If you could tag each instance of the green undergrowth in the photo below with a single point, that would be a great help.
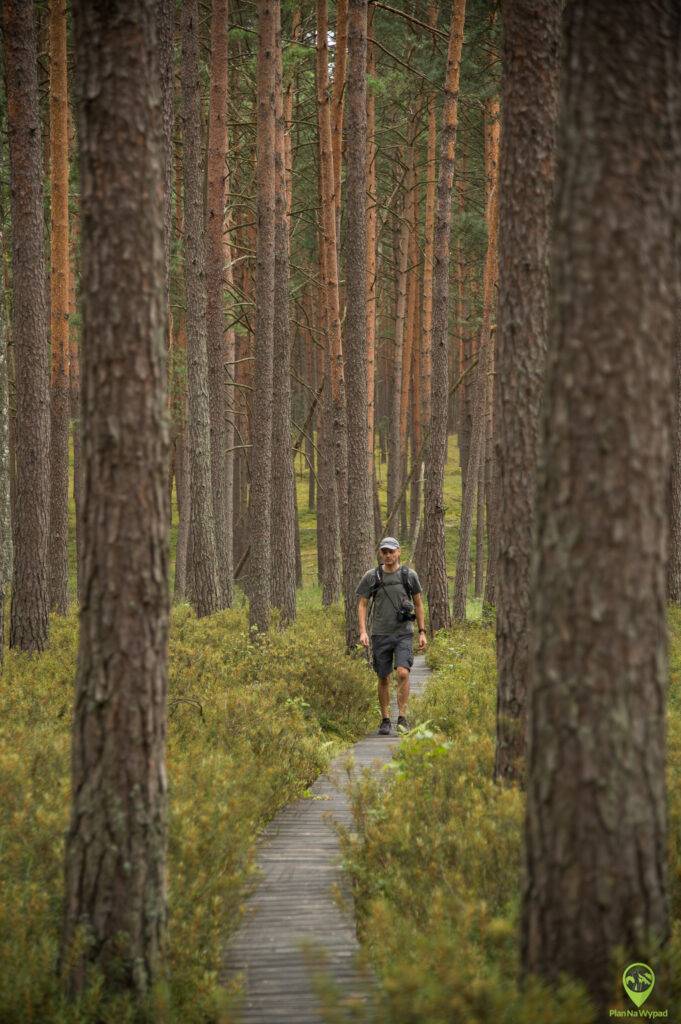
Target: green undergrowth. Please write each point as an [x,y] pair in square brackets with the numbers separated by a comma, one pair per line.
[435,859]
[250,727]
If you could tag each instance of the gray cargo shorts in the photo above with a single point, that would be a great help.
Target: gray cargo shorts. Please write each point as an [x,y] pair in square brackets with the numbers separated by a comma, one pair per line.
[391,646]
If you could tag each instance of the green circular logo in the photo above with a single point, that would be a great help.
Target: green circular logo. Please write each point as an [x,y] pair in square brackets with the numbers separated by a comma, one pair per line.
[638,981]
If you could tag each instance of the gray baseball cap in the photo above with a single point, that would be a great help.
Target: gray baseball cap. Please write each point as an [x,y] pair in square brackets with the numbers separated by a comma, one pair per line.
[390,543]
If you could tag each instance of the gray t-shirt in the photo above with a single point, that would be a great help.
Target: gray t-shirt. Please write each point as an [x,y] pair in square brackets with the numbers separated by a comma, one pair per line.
[387,600]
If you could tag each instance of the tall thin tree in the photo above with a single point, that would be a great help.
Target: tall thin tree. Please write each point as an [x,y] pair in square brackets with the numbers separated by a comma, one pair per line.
[530,111]
[5,518]
[596,804]
[115,846]
[59,312]
[215,281]
[30,582]
[204,585]
[283,529]
[434,518]
[360,552]
[261,460]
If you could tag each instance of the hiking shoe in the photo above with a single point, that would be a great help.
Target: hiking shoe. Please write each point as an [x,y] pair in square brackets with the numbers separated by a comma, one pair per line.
[384,727]
[402,723]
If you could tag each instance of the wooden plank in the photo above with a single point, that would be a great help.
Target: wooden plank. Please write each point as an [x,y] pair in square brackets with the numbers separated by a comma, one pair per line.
[293,907]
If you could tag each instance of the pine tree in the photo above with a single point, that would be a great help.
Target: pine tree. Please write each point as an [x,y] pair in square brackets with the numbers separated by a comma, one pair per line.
[116,841]
[434,520]
[261,461]
[530,91]
[30,581]
[204,586]
[596,804]
[59,312]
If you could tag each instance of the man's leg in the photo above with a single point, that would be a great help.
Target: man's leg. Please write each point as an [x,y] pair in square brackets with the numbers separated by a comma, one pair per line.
[384,695]
[383,664]
[402,690]
[404,658]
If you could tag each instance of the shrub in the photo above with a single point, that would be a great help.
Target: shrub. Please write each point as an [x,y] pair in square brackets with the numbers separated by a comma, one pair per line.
[435,858]
[250,727]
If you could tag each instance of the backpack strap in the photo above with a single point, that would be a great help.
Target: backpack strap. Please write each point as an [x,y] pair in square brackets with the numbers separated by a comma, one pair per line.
[406,582]
[377,582]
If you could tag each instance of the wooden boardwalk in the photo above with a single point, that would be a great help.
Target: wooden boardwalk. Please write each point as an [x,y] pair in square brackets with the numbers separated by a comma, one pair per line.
[293,908]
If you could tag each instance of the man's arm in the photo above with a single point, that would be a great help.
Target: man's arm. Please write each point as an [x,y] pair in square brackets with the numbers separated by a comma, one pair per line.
[420,610]
[362,616]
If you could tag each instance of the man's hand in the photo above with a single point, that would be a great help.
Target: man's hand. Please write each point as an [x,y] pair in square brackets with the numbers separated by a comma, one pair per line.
[364,638]
[422,641]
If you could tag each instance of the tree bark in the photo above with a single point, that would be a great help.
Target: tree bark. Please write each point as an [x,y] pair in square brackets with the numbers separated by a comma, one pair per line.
[203,581]
[400,369]
[329,265]
[261,458]
[5,516]
[116,843]
[372,236]
[595,828]
[429,243]
[360,553]
[530,84]
[284,517]
[30,582]
[434,520]
[489,459]
[674,496]
[215,286]
[339,83]
[59,313]
[485,364]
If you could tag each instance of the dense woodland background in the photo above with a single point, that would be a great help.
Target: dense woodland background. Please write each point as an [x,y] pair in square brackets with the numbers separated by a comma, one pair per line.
[279,279]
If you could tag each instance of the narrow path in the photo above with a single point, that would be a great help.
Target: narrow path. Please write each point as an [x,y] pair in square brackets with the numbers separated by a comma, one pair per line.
[294,904]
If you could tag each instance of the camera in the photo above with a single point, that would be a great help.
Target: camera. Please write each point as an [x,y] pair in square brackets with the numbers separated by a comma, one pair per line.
[406,613]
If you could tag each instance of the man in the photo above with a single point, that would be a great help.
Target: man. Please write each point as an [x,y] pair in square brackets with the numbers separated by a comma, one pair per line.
[391,635]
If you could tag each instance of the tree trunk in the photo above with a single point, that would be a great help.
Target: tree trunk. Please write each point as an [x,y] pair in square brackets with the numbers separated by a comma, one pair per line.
[429,244]
[480,485]
[479,412]
[410,339]
[596,883]
[74,408]
[360,554]
[674,497]
[330,275]
[59,313]
[400,369]
[116,843]
[215,286]
[284,518]
[372,235]
[203,582]
[490,464]
[30,582]
[339,83]
[434,521]
[5,517]
[261,459]
[530,98]
[328,527]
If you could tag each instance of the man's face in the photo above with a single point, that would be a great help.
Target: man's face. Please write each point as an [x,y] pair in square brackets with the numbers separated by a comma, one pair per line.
[390,558]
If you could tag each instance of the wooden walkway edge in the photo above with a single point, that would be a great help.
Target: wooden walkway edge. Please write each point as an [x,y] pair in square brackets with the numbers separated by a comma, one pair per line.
[293,925]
